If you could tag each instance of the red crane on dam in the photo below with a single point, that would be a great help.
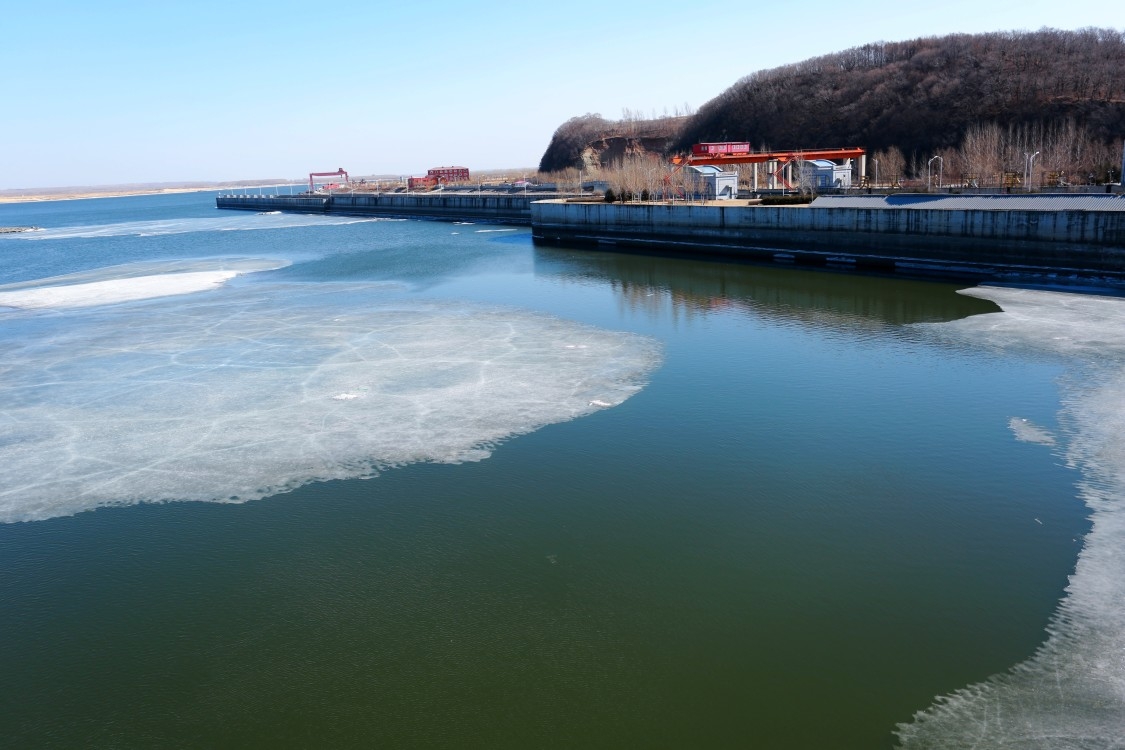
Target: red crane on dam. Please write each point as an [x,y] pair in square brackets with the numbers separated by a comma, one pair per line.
[742,153]
[338,172]
[718,154]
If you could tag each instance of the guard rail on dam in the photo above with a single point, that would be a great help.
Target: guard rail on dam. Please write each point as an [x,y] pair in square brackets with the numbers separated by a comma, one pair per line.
[964,242]
[508,209]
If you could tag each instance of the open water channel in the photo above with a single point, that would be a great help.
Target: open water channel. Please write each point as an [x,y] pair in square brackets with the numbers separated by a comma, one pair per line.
[305,481]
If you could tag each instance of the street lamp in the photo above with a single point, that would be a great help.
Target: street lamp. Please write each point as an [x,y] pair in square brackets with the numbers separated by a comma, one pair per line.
[1030,159]
[876,173]
[941,165]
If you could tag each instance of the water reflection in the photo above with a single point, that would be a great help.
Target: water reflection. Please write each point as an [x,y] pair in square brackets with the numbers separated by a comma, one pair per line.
[649,284]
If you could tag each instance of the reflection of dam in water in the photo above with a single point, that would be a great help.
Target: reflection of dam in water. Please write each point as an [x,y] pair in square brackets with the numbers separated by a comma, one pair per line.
[797,294]
[1068,692]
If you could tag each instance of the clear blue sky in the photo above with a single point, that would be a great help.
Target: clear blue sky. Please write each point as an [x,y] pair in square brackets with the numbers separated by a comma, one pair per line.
[100,93]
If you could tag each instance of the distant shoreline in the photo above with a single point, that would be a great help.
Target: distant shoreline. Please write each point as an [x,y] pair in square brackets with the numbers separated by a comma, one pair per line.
[84,193]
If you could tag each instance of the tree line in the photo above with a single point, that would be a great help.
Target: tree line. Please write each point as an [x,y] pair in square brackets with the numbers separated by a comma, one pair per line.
[1030,155]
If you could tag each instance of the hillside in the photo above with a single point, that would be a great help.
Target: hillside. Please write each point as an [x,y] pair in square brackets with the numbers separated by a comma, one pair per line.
[919,97]
[925,94]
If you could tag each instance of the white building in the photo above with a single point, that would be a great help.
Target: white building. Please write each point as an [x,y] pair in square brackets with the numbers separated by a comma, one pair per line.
[712,182]
[828,174]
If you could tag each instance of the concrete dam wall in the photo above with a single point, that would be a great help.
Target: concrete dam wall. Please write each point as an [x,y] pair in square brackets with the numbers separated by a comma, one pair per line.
[511,209]
[1029,236]
[982,243]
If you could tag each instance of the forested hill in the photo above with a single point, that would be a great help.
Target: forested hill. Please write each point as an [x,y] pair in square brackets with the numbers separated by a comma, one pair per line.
[924,94]
[919,97]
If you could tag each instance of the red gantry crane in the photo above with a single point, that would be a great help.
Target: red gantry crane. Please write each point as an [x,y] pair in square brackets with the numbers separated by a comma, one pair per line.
[340,171]
[740,153]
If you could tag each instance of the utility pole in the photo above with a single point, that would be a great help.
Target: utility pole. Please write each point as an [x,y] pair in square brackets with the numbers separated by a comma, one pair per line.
[941,164]
[1030,159]
[1121,174]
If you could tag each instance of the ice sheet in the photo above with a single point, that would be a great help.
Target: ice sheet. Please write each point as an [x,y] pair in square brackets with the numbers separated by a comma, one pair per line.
[128,283]
[117,290]
[259,388]
[228,221]
[1071,693]
[1029,432]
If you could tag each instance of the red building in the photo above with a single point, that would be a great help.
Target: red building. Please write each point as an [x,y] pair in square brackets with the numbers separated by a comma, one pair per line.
[449,174]
[420,183]
[438,176]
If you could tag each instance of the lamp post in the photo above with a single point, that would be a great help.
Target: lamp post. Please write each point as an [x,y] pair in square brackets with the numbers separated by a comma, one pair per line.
[941,164]
[1030,159]
[876,173]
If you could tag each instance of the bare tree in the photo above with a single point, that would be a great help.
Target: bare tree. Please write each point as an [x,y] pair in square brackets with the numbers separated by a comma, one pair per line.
[891,166]
[979,157]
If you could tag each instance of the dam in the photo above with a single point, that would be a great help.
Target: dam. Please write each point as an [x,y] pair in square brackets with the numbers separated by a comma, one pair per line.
[986,237]
[503,208]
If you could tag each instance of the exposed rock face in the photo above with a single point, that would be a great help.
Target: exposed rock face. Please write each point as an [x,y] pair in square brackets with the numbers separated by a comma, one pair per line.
[614,149]
[590,142]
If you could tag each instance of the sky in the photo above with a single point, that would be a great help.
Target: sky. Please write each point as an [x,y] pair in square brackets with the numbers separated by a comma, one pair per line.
[114,92]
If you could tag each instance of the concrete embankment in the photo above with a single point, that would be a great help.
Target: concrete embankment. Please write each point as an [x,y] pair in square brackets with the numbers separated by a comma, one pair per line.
[952,242]
[508,209]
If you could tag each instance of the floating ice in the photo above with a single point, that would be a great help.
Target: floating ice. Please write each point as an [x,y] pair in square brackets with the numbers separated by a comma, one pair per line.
[262,387]
[1029,432]
[116,290]
[128,283]
[231,221]
[1071,693]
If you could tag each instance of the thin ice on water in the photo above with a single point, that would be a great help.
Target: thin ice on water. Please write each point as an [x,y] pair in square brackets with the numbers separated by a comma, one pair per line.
[253,390]
[1071,693]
